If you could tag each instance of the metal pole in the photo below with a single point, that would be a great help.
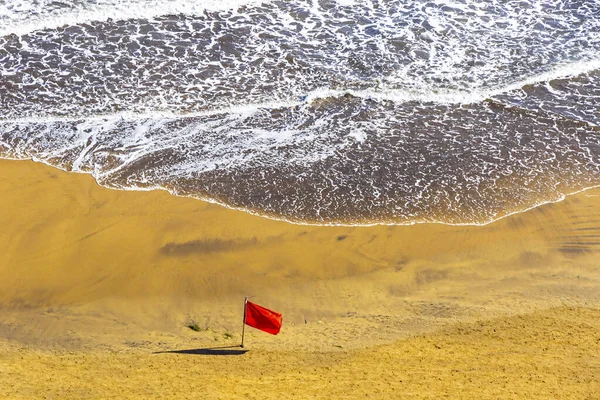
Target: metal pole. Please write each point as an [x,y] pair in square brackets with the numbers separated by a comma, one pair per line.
[244,321]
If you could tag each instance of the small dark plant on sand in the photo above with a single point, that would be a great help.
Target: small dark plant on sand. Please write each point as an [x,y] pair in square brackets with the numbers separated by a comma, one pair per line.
[192,324]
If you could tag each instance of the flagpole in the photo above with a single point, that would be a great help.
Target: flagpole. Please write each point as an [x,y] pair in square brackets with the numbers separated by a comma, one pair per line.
[244,321]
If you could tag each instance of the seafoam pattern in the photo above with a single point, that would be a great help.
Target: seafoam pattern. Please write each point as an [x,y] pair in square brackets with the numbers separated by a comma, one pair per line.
[318,112]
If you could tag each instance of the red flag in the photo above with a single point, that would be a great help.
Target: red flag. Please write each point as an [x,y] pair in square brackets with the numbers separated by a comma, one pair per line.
[262,318]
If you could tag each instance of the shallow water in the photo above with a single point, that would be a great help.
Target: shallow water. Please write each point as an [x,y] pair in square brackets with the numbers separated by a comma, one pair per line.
[317,112]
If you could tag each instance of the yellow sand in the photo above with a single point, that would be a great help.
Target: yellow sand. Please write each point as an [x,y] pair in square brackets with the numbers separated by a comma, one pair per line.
[552,354]
[94,281]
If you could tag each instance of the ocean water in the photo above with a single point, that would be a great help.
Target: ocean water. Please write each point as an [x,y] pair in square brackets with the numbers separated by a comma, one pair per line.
[319,112]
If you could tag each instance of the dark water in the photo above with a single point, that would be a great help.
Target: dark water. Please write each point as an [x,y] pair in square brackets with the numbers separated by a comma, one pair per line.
[317,112]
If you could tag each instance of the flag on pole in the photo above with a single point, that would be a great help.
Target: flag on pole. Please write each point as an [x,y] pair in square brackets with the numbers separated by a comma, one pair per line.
[262,318]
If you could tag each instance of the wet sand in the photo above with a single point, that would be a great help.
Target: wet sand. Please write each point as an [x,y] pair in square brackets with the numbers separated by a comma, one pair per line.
[95,281]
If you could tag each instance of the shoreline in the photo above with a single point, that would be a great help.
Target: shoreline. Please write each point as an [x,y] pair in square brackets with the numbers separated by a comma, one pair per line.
[561,198]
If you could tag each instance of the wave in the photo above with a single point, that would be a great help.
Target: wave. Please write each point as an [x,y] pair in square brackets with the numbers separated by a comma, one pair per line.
[562,72]
[340,112]
[347,160]
[24,17]
[286,51]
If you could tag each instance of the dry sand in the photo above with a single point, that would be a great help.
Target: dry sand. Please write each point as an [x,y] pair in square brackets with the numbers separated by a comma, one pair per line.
[95,281]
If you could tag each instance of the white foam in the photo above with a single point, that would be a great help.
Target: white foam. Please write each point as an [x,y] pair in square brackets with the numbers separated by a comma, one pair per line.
[240,110]
[347,3]
[442,59]
[563,71]
[23,17]
[396,95]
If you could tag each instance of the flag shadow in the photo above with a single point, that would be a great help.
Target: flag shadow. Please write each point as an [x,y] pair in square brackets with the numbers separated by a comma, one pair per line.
[210,351]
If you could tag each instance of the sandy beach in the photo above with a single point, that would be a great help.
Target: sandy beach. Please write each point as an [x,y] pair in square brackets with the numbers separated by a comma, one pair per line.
[98,285]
